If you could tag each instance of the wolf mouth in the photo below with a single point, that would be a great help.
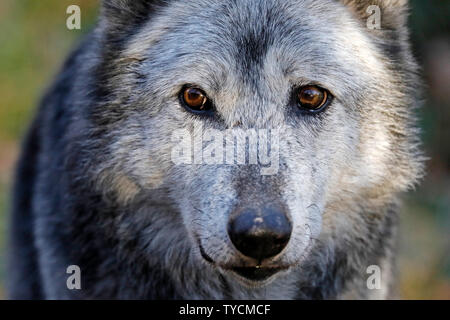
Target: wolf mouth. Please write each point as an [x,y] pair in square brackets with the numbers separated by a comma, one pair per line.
[256,273]
[250,273]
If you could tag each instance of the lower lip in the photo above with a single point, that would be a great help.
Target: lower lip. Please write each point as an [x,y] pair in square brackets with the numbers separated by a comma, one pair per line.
[256,274]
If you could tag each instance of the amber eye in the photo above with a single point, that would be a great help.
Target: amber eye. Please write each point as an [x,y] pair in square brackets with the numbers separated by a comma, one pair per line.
[195,100]
[312,98]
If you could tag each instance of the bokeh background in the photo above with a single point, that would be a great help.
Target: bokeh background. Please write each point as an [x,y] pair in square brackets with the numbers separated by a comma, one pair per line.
[34,41]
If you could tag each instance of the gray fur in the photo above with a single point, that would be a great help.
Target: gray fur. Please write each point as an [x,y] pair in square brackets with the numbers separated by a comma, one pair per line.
[106,196]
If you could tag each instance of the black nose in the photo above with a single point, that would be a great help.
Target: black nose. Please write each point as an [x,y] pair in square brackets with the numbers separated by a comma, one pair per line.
[260,234]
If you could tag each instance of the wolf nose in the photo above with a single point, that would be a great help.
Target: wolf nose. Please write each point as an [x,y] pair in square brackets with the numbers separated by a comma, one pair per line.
[259,234]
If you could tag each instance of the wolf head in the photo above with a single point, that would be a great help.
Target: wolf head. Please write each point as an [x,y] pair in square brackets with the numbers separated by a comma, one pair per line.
[254,138]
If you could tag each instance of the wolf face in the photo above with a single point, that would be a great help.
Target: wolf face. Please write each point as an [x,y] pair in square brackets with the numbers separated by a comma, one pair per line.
[338,167]
[246,149]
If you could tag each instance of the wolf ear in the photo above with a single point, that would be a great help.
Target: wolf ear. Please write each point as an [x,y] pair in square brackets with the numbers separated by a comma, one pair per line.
[126,13]
[392,14]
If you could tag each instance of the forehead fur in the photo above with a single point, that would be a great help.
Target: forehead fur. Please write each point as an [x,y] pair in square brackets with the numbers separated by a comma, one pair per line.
[302,40]
[252,52]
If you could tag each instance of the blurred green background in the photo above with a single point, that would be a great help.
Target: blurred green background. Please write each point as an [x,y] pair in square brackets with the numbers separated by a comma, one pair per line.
[34,41]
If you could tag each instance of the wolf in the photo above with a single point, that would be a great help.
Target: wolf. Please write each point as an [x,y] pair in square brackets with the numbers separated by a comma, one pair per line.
[98,186]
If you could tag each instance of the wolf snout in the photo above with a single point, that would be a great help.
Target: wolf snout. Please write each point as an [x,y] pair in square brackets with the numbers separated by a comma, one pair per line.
[260,233]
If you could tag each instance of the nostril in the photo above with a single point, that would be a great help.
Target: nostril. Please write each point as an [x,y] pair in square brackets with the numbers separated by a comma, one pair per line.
[260,234]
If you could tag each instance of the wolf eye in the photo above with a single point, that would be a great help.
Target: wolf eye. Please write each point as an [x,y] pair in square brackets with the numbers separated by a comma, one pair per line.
[313,98]
[195,100]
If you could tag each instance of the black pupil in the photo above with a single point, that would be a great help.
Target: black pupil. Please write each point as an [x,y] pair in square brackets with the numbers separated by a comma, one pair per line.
[312,97]
[195,98]
[310,94]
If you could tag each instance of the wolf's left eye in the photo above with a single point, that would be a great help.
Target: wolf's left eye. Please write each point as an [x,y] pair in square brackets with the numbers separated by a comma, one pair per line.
[313,98]
[195,100]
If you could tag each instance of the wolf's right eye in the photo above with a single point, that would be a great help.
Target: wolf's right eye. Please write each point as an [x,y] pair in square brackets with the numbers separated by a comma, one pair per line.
[313,99]
[195,100]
